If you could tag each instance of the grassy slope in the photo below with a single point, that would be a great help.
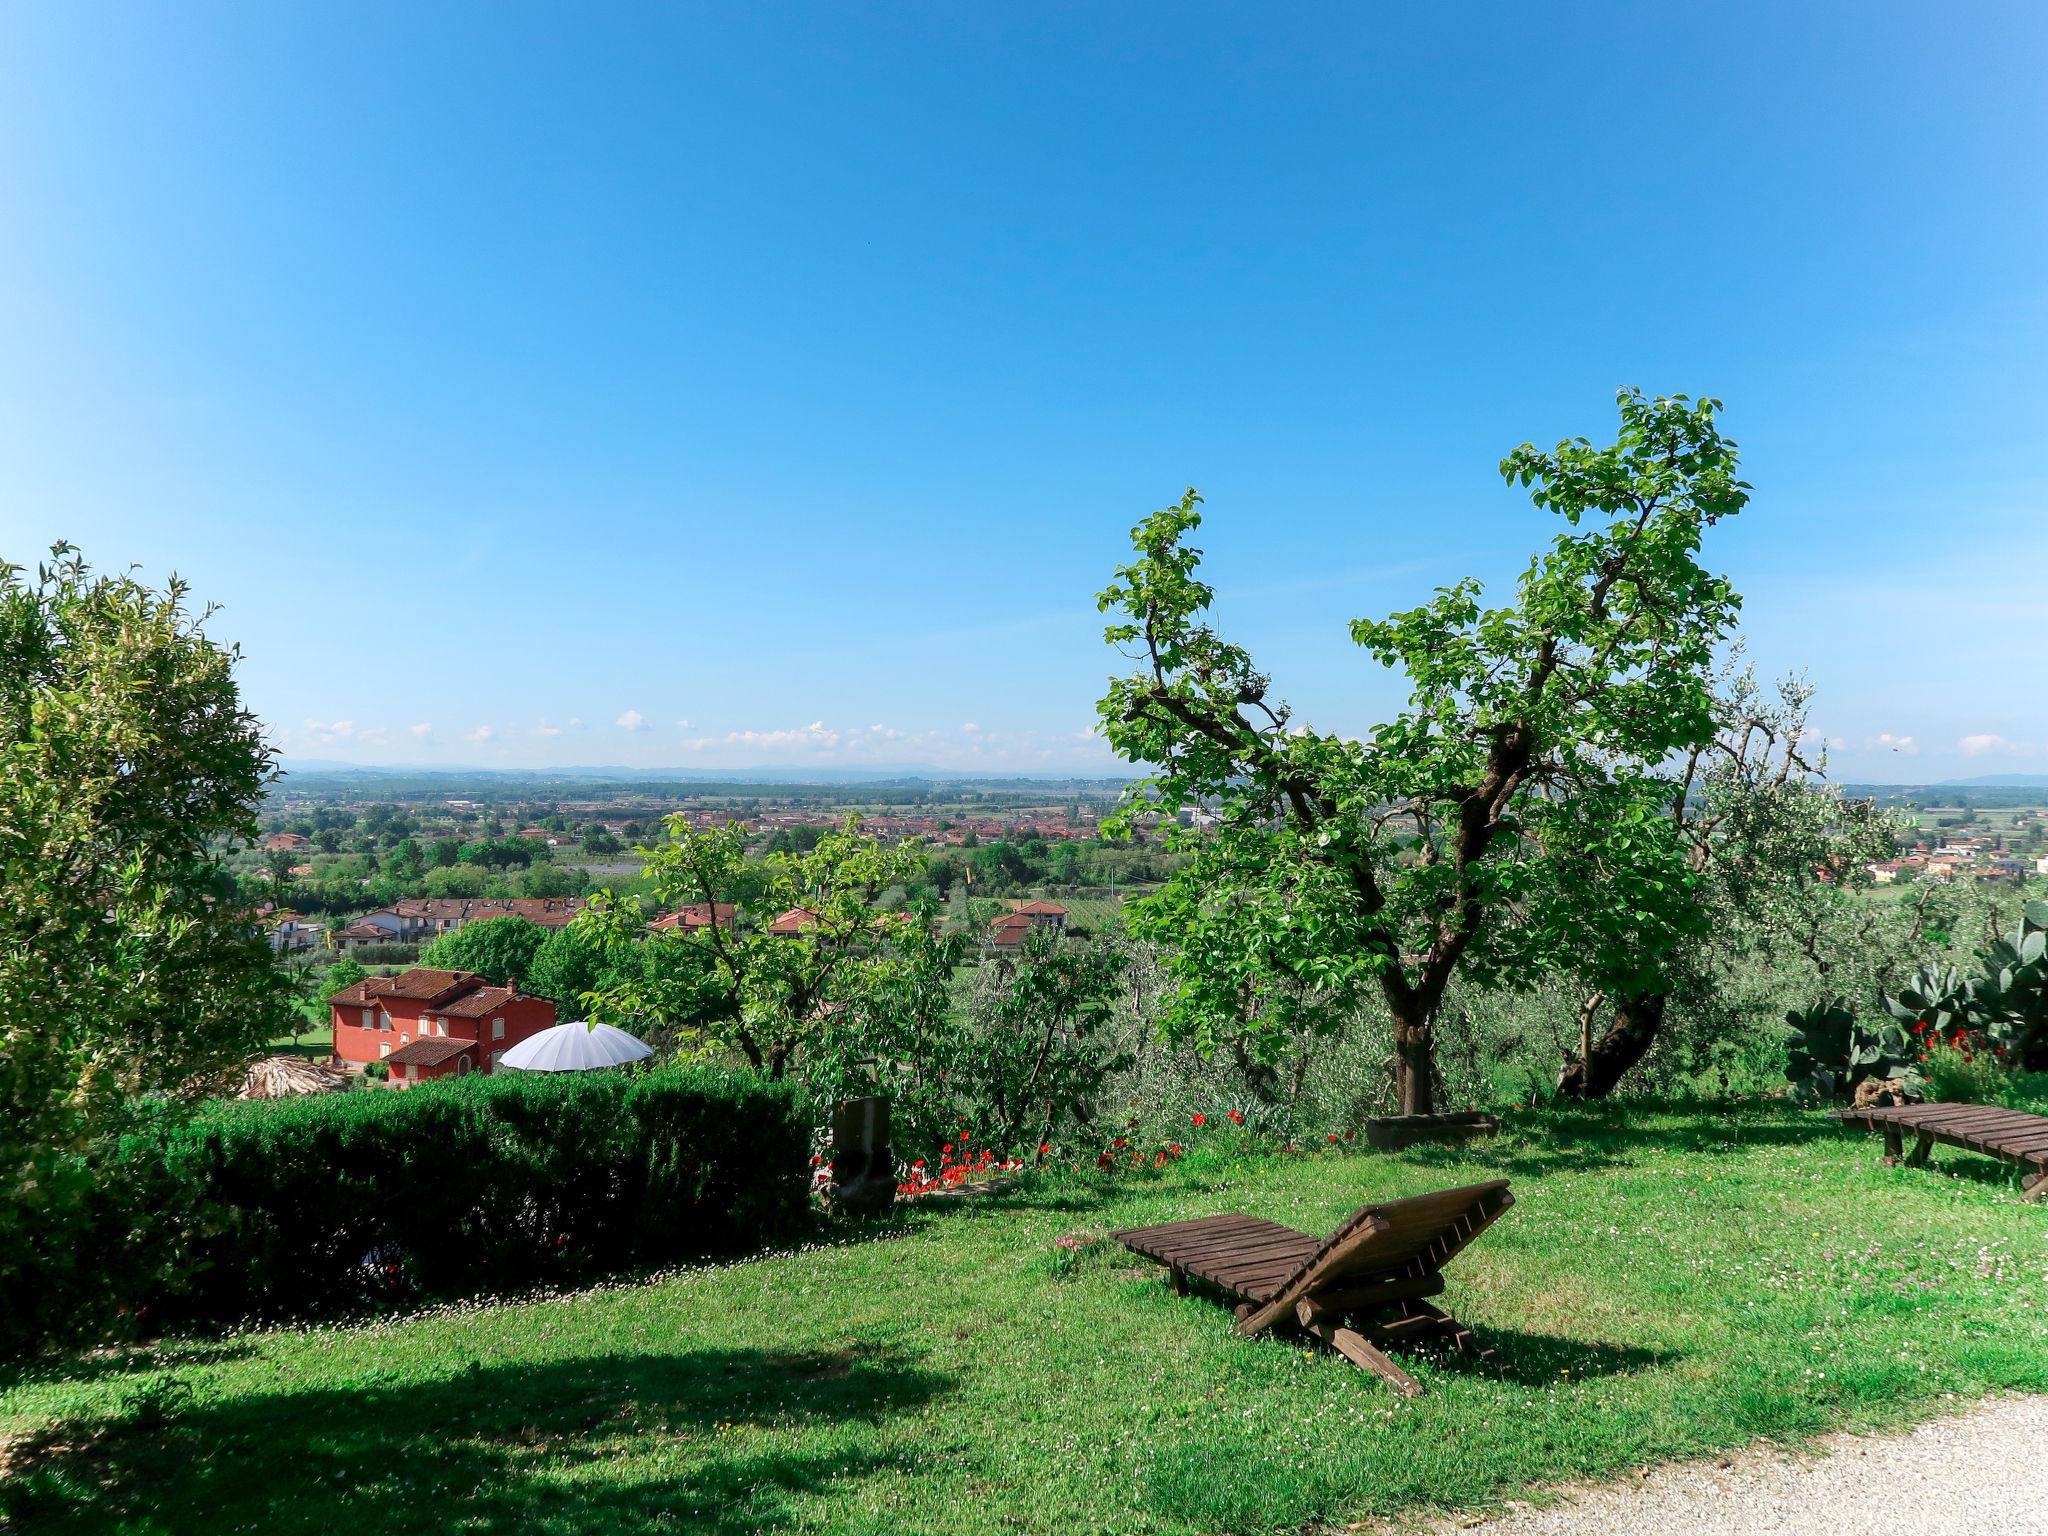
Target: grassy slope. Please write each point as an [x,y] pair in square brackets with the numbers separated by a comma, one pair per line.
[1669,1286]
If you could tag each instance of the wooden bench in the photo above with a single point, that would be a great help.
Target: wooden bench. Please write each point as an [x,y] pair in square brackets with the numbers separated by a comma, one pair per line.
[2010,1134]
[1362,1290]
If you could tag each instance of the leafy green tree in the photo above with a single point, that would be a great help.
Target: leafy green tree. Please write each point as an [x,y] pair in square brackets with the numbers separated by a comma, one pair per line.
[500,949]
[447,853]
[1456,839]
[543,880]
[129,971]
[765,994]
[344,973]
[569,963]
[406,864]
[457,881]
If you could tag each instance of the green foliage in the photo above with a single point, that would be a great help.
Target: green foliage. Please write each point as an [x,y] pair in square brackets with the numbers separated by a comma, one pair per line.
[129,971]
[1039,1041]
[499,949]
[569,963]
[342,974]
[1671,1286]
[1514,818]
[740,985]
[1831,1051]
[2002,1008]
[372,1198]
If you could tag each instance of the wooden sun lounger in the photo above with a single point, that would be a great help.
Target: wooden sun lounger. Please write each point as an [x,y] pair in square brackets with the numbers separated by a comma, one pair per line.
[1374,1271]
[2010,1134]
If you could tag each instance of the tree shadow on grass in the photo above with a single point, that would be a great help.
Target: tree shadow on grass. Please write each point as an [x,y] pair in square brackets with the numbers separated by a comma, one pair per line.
[1587,1142]
[505,1447]
[105,1364]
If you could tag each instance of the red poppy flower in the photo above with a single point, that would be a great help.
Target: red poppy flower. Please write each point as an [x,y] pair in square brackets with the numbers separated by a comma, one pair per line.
[1331,1137]
[1236,1118]
[1201,1119]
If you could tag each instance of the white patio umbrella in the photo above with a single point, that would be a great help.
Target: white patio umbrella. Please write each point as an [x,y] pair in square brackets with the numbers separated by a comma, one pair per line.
[575,1048]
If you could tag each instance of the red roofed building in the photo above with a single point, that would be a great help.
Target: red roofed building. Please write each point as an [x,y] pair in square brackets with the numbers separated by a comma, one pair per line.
[459,1023]
[1007,932]
[1048,913]
[794,923]
[698,915]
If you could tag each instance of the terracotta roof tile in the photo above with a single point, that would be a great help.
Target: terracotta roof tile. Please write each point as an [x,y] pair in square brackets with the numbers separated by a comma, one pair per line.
[429,1053]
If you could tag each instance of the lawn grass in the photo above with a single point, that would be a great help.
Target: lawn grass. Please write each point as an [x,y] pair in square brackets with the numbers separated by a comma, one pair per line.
[1669,1283]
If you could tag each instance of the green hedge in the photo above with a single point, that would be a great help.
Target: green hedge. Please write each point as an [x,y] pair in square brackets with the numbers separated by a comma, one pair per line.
[343,1202]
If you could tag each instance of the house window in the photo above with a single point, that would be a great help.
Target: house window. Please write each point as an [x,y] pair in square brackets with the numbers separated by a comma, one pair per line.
[383,1019]
[494,1059]
[412,1073]
[462,1066]
[497,1029]
[368,1021]
[384,1050]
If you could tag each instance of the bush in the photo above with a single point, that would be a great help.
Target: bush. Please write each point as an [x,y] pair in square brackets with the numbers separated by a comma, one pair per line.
[342,1202]
[385,954]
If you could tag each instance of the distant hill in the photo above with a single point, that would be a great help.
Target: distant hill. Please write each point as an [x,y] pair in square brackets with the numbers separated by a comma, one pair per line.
[911,773]
[1998,780]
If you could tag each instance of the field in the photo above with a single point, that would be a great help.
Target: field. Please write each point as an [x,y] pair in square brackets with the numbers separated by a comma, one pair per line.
[1671,1282]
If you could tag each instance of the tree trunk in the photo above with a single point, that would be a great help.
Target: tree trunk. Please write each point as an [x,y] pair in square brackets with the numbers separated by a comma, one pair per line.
[1637,1021]
[1415,1065]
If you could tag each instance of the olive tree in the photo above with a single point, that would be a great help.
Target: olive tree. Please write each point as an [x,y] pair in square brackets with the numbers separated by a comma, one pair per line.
[1460,836]
[1774,854]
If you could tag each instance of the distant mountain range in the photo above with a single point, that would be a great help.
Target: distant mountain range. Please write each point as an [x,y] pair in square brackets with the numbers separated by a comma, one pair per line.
[1997,780]
[891,773]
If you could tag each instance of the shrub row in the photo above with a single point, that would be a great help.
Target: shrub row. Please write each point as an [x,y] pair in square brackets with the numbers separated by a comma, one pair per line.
[346,1202]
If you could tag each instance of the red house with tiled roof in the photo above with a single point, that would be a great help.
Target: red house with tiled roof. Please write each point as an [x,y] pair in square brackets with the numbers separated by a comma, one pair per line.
[428,1023]
[1008,931]
[794,923]
[1050,913]
[696,916]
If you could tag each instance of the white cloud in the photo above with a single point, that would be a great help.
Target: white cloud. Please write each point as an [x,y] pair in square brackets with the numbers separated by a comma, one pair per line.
[544,729]
[1977,746]
[422,730]
[576,723]
[482,733]
[327,733]
[1885,741]
[631,720]
[970,728]
[682,725]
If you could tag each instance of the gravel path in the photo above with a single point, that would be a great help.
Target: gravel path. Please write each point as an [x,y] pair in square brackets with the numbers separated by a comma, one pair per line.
[1983,1473]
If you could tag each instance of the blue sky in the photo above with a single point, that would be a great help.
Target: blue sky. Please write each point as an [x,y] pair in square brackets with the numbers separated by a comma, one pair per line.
[529,381]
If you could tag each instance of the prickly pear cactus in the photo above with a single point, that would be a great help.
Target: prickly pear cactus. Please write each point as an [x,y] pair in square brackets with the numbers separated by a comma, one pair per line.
[1830,1051]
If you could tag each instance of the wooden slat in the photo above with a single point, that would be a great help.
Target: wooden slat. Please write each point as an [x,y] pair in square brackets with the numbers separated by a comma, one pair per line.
[2009,1134]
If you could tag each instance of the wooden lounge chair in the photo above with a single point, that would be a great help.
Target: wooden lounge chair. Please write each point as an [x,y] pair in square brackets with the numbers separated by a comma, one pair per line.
[2010,1134]
[1374,1271]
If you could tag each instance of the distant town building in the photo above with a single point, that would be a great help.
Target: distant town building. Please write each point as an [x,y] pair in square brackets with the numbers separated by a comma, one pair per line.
[794,924]
[284,842]
[429,917]
[698,915]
